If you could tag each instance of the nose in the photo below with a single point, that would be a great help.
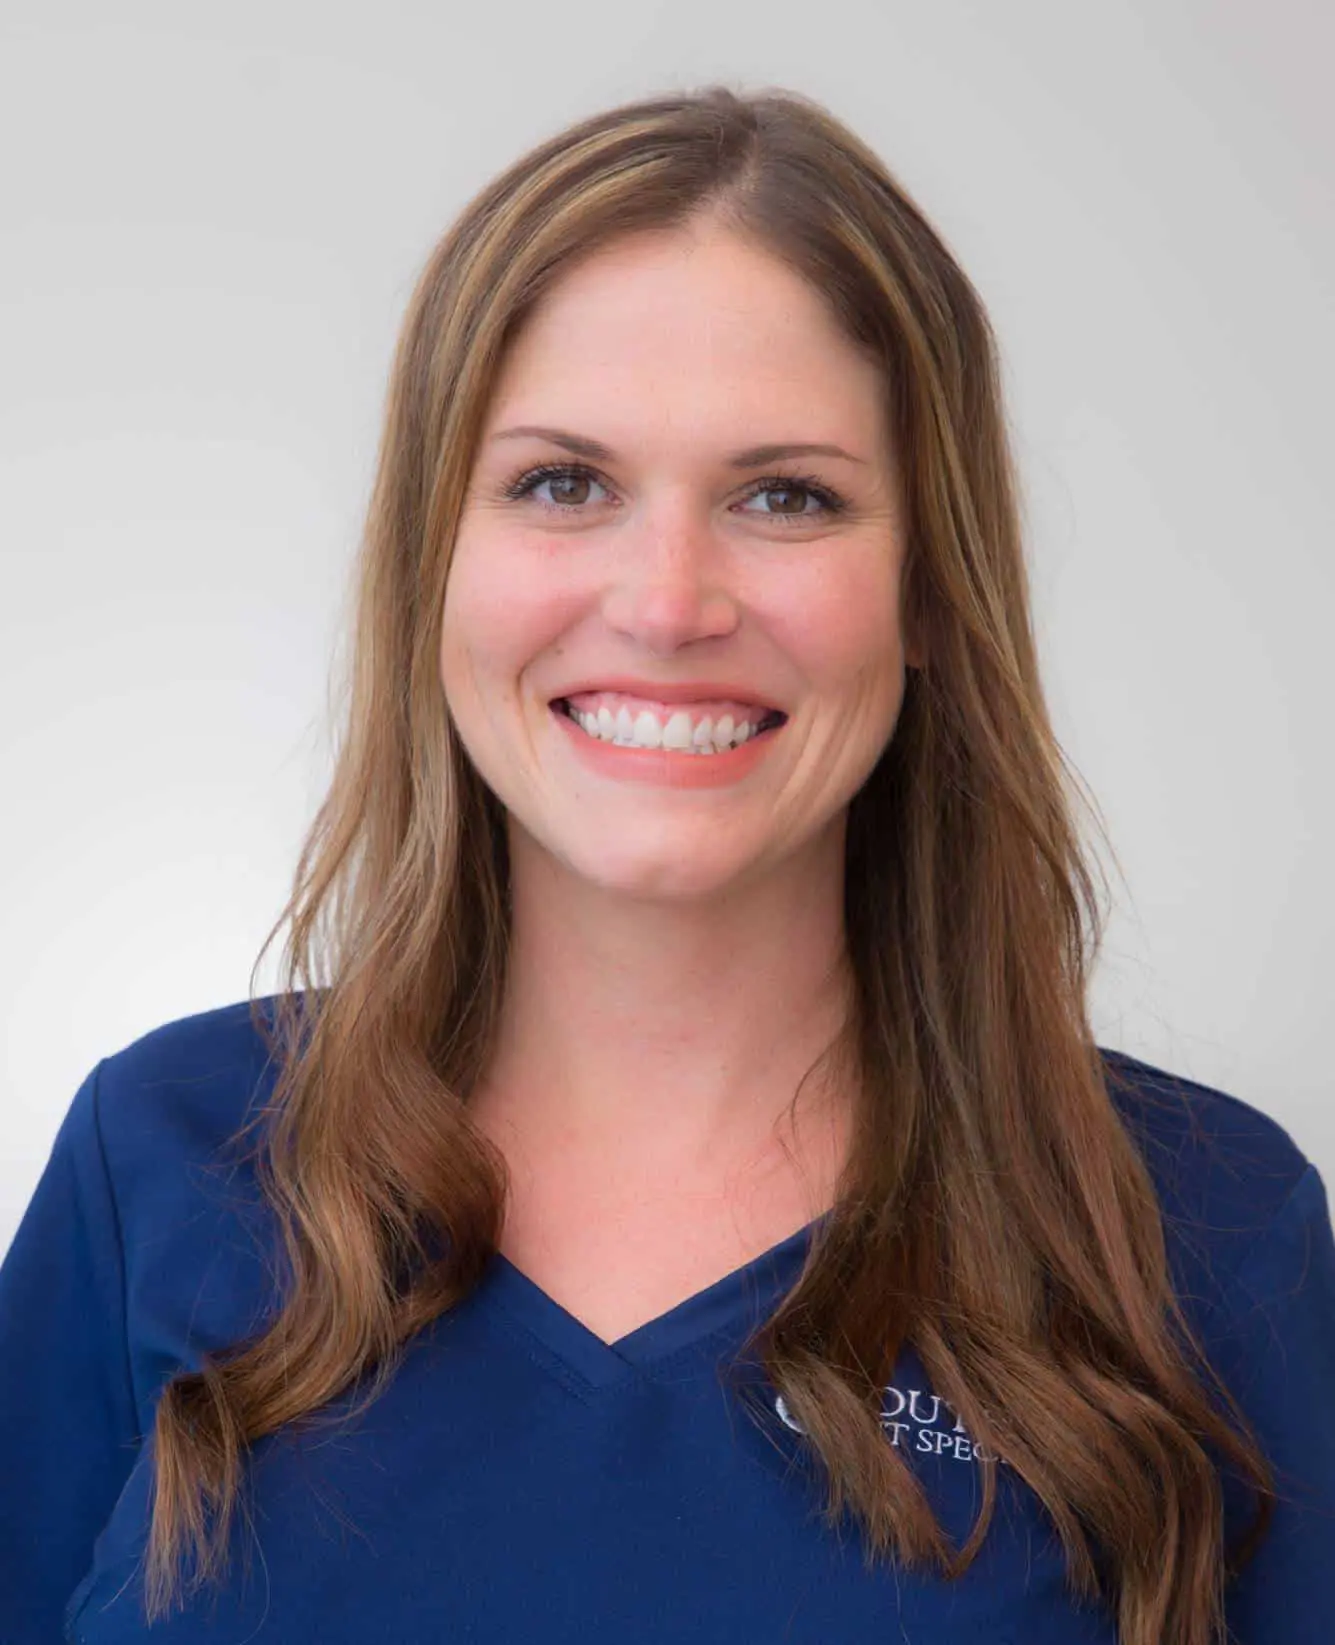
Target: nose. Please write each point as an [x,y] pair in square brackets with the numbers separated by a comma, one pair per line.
[669,585]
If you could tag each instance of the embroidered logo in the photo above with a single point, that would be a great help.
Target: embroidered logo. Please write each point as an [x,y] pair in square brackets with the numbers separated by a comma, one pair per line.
[915,1421]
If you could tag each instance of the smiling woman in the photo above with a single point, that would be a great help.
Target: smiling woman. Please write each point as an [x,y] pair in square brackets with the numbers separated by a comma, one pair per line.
[656,577]
[686,1020]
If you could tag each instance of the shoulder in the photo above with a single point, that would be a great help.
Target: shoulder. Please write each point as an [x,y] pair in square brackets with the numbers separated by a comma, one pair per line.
[1230,1179]
[169,1116]
[178,1094]
[1248,1231]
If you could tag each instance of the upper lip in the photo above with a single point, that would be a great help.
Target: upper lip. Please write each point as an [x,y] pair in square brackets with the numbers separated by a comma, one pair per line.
[679,691]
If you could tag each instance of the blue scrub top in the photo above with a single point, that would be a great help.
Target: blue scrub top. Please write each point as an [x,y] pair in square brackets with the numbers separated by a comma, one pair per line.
[522,1480]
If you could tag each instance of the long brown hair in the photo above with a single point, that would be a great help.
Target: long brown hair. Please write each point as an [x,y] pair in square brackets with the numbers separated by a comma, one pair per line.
[994,1212]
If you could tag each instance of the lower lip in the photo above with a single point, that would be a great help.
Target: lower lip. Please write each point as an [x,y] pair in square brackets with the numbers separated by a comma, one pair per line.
[667,767]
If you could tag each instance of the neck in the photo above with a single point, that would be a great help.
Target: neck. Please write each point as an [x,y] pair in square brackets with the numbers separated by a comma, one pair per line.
[662,1037]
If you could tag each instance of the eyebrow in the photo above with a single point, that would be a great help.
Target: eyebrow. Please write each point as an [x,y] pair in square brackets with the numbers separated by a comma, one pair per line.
[753,457]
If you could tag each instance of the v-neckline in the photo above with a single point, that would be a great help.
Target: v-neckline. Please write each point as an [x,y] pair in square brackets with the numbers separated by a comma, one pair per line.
[733,1304]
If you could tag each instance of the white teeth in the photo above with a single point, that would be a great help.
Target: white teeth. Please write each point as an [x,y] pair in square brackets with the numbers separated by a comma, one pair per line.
[677,732]
[644,731]
[648,732]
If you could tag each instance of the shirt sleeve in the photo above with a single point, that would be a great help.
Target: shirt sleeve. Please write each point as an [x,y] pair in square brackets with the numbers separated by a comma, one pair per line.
[1277,1357]
[68,1424]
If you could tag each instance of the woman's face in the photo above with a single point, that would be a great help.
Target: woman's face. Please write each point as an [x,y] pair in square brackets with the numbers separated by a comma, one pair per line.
[655,580]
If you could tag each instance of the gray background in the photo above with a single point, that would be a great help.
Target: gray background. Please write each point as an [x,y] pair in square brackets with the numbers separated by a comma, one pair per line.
[212,219]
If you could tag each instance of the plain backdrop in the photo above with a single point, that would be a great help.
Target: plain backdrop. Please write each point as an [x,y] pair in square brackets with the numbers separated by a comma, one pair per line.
[210,222]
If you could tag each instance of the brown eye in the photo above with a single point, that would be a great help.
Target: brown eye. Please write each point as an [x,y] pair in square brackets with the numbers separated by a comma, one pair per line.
[569,492]
[569,483]
[790,492]
[797,493]
[563,485]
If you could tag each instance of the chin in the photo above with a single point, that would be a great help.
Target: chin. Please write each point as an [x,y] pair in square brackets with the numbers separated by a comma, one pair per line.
[667,875]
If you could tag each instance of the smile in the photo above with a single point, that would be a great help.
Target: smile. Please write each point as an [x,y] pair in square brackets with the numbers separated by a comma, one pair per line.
[673,748]
[609,717]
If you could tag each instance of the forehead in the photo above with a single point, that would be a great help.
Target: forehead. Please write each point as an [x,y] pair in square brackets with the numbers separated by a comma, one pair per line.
[692,324]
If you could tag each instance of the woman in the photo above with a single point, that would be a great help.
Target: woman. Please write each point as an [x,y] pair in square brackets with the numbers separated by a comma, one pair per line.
[678,1196]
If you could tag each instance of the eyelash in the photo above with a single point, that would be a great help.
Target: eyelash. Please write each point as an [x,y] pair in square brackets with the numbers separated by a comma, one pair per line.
[831,502]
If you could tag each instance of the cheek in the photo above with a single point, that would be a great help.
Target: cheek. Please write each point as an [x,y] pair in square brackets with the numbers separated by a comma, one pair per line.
[844,627]
[496,620]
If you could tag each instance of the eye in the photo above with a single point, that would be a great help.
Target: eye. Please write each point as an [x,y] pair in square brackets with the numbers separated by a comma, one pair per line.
[565,477]
[828,502]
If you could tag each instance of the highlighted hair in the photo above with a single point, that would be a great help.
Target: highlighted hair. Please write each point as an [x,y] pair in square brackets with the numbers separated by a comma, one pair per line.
[994,1212]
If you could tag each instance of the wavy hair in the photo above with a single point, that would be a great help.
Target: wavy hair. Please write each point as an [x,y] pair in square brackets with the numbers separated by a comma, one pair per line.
[994,1212]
